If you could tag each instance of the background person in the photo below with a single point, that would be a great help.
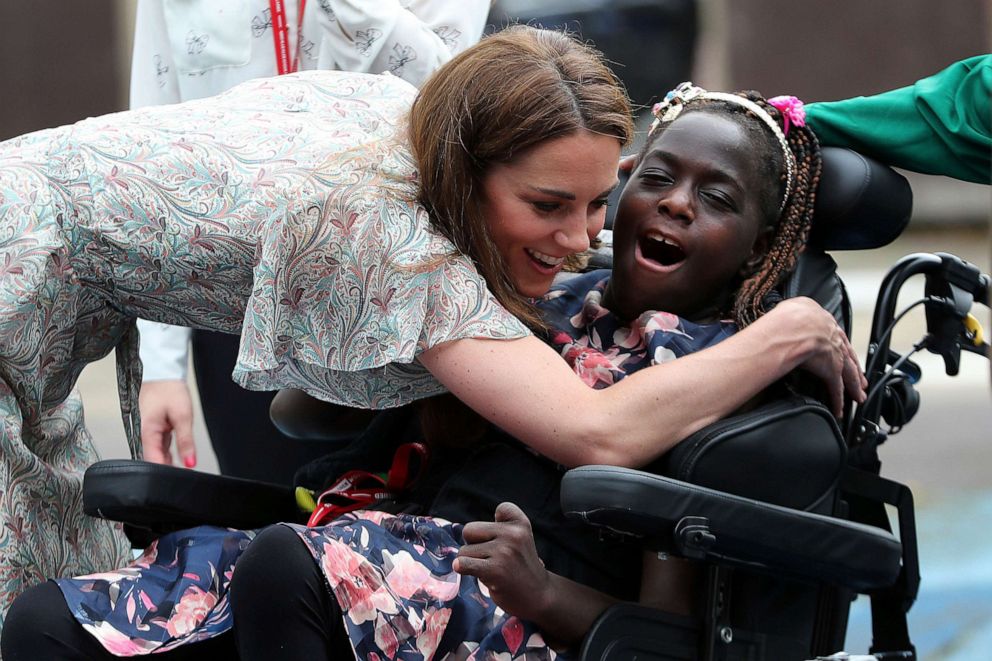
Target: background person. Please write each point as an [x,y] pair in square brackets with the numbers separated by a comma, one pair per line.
[941,124]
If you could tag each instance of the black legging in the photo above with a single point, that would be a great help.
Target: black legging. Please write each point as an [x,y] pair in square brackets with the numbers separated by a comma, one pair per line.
[242,435]
[280,600]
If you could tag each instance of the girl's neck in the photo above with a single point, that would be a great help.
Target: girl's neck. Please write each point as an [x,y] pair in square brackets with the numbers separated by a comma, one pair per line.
[708,315]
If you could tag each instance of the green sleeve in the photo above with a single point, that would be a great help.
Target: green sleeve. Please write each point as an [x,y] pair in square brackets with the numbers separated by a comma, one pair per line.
[940,125]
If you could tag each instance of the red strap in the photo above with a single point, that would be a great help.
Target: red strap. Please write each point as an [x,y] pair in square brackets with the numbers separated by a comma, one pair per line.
[280,36]
[360,489]
[353,490]
[408,461]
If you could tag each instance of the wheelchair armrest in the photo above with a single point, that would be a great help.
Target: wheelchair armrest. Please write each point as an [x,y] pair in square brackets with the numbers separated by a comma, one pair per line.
[161,498]
[732,530]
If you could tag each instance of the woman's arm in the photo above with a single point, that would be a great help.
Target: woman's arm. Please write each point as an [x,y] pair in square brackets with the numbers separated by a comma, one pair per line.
[525,388]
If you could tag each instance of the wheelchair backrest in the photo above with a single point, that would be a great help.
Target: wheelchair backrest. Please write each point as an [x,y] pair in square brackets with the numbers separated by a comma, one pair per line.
[860,204]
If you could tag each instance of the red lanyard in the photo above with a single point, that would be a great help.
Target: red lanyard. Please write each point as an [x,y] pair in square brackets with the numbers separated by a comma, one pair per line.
[280,36]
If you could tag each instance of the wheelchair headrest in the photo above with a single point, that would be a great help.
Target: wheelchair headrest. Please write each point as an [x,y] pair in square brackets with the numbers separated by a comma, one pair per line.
[860,203]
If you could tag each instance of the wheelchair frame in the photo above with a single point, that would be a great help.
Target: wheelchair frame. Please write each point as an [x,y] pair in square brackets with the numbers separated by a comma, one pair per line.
[694,528]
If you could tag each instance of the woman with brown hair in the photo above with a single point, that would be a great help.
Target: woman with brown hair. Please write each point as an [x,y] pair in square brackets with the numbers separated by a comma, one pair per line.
[358,269]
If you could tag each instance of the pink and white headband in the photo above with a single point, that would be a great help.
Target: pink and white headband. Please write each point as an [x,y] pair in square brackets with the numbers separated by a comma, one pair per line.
[793,114]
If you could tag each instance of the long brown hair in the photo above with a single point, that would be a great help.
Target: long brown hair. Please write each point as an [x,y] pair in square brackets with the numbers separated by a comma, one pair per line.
[510,92]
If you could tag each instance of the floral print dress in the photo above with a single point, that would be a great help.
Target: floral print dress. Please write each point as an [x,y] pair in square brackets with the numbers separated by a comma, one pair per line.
[390,574]
[601,348]
[282,210]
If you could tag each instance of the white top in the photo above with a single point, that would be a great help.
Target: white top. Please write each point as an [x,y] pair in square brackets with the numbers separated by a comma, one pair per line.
[190,49]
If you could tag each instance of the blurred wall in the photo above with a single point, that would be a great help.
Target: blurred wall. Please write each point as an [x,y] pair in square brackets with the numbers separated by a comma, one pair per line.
[830,50]
[62,61]
[834,49]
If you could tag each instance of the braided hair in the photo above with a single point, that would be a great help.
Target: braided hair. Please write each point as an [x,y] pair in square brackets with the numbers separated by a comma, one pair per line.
[790,219]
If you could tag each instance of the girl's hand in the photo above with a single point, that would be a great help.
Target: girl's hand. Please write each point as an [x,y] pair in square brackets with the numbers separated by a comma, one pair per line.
[826,349]
[503,556]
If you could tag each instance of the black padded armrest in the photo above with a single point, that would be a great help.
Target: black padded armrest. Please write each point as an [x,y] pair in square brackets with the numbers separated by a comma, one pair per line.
[306,418]
[166,497]
[746,532]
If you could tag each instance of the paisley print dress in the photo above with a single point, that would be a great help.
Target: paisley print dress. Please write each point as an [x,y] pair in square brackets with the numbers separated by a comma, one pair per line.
[282,210]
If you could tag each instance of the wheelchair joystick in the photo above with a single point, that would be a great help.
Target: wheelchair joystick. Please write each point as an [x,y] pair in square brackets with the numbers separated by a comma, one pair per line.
[693,537]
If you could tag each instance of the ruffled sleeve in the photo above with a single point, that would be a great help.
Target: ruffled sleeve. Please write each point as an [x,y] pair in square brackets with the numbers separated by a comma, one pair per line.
[352,284]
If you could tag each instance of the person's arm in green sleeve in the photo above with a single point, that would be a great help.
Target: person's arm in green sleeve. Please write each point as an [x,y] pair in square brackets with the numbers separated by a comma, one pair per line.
[941,125]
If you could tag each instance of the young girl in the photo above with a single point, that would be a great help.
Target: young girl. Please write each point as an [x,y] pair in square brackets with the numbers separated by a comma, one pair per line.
[696,202]
[716,211]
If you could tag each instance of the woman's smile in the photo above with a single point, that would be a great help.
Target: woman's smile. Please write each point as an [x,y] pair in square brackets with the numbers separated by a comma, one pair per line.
[548,203]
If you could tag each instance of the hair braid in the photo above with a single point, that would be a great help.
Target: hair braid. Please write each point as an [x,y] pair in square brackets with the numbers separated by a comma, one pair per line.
[792,229]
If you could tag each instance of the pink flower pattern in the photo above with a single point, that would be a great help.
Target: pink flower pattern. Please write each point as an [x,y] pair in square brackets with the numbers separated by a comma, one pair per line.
[603,349]
[392,577]
[190,612]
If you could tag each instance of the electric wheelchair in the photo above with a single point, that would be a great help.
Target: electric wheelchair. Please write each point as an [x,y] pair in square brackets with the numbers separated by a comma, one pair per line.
[783,506]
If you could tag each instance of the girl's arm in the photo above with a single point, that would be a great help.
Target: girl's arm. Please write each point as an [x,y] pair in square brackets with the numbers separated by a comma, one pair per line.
[502,555]
[525,388]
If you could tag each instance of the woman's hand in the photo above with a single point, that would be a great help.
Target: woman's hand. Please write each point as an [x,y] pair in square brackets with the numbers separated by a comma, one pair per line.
[826,348]
[166,409]
[502,555]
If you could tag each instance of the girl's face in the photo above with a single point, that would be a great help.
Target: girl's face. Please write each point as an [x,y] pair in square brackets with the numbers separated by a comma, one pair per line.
[548,203]
[688,221]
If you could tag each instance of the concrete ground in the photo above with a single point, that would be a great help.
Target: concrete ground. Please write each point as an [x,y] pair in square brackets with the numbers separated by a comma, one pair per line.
[945,455]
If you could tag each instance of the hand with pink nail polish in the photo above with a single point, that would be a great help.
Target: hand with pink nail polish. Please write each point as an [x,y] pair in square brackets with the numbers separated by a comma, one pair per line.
[167,411]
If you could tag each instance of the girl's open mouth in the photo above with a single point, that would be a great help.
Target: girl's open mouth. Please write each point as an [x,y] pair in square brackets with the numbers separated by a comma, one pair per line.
[659,252]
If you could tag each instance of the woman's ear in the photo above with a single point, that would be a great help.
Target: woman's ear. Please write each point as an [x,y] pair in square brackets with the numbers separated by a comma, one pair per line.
[759,250]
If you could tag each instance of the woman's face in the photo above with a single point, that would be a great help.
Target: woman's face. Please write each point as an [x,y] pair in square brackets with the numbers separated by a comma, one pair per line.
[688,220]
[548,203]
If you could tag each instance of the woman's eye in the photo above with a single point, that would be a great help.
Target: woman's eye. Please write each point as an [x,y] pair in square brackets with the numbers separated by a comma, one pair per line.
[601,203]
[547,207]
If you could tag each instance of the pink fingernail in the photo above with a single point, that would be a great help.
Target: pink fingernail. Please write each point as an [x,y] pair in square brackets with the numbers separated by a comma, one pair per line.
[189,462]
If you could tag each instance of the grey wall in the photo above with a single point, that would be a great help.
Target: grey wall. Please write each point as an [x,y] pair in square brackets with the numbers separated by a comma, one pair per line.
[61,61]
